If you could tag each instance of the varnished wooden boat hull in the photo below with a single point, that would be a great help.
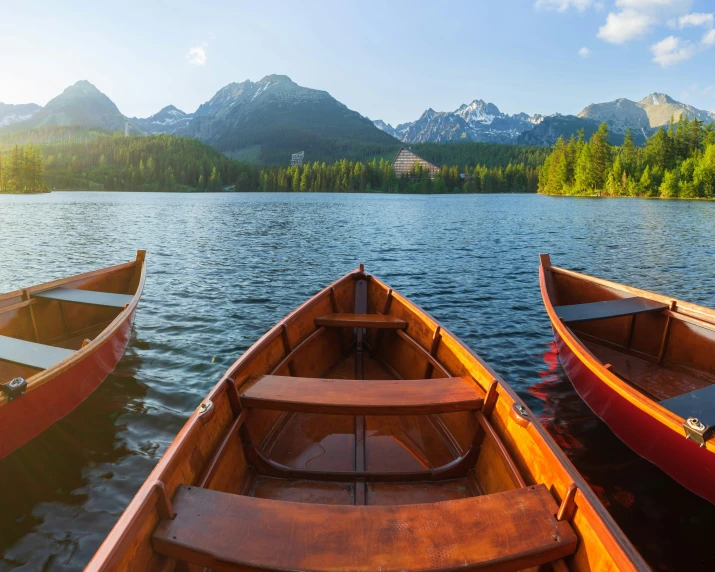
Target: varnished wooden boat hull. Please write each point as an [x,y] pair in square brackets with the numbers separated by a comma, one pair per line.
[58,390]
[642,423]
[23,419]
[281,486]
[683,460]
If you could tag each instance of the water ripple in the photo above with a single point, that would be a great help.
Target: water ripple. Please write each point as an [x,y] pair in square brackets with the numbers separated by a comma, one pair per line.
[222,269]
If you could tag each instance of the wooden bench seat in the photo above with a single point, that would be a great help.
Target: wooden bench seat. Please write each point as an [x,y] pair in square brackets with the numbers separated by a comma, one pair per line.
[85,297]
[380,321]
[363,397]
[511,530]
[607,309]
[31,354]
[699,404]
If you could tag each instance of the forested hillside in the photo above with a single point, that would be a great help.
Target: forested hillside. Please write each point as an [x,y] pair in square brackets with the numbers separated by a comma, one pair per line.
[378,176]
[675,162]
[477,153]
[79,158]
[22,170]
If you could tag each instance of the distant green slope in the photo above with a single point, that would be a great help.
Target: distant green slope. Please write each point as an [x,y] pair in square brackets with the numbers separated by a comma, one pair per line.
[79,158]
[476,153]
[277,117]
[551,128]
[322,132]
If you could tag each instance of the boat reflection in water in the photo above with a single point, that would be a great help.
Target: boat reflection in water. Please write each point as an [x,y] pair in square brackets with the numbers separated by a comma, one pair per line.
[670,526]
[74,471]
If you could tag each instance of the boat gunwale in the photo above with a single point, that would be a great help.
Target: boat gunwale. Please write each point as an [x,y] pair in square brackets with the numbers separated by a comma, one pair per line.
[546,445]
[146,497]
[650,407]
[46,375]
[121,535]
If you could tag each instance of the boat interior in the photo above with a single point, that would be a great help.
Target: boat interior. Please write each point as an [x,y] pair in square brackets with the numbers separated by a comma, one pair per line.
[663,348]
[358,435]
[42,325]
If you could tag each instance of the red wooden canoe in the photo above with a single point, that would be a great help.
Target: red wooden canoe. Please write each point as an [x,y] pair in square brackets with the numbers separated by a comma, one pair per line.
[358,434]
[645,364]
[58,342]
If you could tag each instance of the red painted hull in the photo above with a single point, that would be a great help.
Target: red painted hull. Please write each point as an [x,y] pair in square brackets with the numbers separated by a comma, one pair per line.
[28,416]
[685,461]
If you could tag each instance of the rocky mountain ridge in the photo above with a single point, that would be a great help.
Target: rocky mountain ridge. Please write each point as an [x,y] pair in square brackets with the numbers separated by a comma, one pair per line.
[10,113]
[480,121]
[268,120]
[476,121]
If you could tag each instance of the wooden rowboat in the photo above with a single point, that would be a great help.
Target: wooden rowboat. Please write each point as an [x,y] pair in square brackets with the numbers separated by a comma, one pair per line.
[645,364]
[58,342]
[357,434]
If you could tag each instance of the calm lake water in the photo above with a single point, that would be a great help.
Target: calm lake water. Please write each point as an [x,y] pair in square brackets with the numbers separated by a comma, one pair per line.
[223,268]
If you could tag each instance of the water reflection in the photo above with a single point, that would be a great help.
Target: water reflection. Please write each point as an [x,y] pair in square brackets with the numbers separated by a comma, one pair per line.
[60,472]
[223,268]
[669,525]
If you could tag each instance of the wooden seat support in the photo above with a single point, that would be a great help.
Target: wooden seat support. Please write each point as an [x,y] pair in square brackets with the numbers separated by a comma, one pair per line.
[363,397]
[511,530]
[39,356]
[86,297]
[608,309]
[379,321]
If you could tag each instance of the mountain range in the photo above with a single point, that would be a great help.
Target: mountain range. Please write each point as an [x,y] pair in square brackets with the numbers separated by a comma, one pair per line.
[481,121]
[275,117]
[10,113]
[477,121]
[263,122]
[268,120]
[168,120]
[80,104]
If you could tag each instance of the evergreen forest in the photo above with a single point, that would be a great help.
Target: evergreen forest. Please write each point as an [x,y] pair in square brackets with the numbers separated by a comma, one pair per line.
[22,170]
[675,162]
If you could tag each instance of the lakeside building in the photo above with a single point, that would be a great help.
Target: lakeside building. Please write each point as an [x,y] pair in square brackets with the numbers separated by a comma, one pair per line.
[406,160]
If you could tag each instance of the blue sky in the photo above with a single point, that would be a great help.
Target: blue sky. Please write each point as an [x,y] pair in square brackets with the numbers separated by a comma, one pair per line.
[387,60]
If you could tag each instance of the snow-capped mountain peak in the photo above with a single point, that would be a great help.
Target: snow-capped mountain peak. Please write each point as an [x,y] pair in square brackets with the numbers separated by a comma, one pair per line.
[10,113]
[169,120]
[476,121]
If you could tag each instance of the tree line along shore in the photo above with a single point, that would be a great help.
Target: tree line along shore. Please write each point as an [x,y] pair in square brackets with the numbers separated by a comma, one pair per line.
[678,161]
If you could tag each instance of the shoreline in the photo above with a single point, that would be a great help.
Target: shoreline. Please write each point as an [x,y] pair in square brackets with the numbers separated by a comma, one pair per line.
[225,192]
[705,199]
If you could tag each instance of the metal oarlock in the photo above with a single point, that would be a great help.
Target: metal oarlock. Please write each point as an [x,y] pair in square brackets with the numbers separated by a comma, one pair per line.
[15,388]
[696,431]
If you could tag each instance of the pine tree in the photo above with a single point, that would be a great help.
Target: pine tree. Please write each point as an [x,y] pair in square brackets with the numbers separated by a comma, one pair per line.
[584,180]
[629,153]
[215,183]
[646,183]
[600,150]
[669,186]
[658,149]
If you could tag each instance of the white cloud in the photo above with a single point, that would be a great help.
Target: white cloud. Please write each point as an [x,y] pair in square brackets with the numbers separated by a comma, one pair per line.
[654,5]
[696,19]
[196,56]
[636,18]
[584,52]
[708,38]
[672,50]
[624,26]
[563,5]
